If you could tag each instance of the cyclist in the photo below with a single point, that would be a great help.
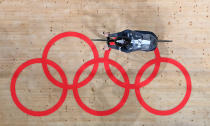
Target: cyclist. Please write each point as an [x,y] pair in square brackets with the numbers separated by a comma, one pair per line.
[130,41]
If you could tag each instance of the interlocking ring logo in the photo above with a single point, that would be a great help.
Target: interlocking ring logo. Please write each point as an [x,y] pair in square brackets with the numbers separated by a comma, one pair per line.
[95,61]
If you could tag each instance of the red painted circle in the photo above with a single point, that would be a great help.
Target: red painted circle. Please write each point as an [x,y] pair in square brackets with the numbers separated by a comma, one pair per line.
[14,95]
[183,102]
[85,107]
[140,73]
[53,41]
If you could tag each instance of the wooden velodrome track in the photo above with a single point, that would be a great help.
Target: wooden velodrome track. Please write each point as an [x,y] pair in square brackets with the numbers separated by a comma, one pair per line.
[27,25]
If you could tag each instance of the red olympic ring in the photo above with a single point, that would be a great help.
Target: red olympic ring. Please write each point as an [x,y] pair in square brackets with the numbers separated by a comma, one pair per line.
[139,74]
[95,61]
[186,97]
[53,41]
[77,97]
[14,95]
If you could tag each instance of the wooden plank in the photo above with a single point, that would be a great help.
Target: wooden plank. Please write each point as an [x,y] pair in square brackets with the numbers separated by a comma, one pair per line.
[27,25]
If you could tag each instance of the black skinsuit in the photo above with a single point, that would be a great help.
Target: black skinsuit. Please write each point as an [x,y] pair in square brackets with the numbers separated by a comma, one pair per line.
[133,41]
